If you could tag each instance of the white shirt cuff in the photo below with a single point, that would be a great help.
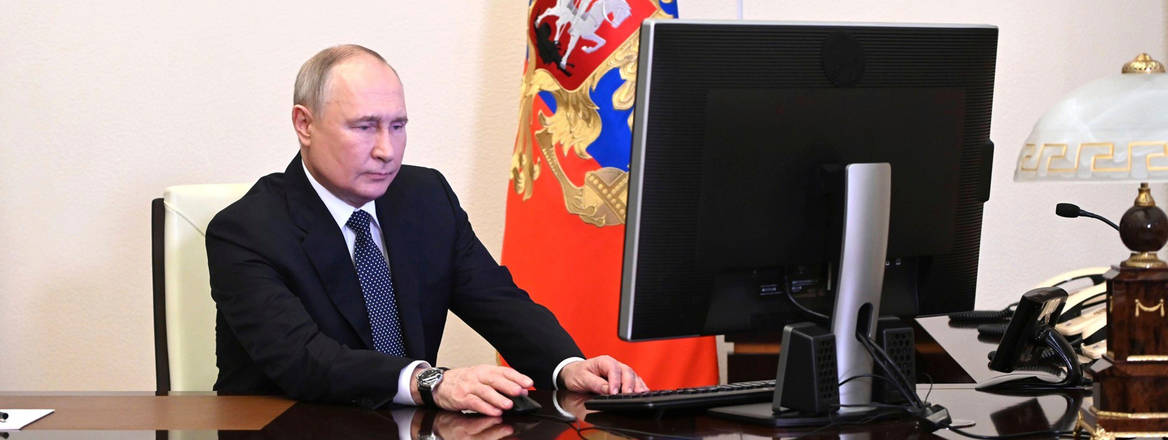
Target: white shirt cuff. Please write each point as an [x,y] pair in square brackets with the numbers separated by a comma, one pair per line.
[556,372]
[404,419]
[403,396]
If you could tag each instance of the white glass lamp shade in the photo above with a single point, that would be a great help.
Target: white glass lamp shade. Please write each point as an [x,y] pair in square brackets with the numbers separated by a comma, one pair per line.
[1112,129]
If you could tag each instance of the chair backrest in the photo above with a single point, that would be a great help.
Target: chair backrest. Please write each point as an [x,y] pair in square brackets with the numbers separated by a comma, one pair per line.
[184,313]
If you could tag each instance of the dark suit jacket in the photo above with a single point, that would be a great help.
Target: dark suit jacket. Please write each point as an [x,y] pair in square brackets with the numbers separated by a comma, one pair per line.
[291,317]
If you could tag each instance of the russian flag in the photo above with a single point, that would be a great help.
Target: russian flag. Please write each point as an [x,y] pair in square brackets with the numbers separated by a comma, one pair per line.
[564,234]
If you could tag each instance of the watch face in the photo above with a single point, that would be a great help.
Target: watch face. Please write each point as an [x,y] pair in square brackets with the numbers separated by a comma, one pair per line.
[430,377]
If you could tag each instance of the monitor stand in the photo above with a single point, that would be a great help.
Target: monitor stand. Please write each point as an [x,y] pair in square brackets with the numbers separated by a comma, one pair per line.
[867,197]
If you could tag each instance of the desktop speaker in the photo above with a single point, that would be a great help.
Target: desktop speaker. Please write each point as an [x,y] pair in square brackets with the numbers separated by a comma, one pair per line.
[806,380]
[898,342]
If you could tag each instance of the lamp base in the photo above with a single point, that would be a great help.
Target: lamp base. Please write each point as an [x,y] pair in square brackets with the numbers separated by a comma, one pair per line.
[1101,425]
[1130,397]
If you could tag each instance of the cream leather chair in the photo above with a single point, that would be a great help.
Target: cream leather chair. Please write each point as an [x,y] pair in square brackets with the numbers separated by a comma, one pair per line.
[184,313]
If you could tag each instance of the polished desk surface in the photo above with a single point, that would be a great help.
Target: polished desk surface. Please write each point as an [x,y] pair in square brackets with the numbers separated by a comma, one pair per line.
[204,415]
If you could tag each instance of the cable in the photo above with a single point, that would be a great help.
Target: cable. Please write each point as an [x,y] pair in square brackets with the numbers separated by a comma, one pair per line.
[976,316]
[897,377]
[875,404]
[898,380]
[861,376]
[916,407]
[900,384]
[928,393]
[880,357]
[929,417]
[804,309]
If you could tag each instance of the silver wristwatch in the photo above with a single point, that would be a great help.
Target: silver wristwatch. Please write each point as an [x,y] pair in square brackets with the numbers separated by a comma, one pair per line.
[428,381]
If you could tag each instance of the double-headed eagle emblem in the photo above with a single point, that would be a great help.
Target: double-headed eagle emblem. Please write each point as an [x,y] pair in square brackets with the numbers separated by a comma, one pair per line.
[572,45]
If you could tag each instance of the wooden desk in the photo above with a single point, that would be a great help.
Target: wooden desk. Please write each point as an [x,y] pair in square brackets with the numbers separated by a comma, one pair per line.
[253,417]
[204,415]
[137,411]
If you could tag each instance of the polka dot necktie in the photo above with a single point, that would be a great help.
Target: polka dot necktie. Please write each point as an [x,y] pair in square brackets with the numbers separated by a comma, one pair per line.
[377,287]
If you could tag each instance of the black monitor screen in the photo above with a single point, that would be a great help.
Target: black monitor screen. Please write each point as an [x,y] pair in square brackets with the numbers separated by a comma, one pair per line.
[741,134]
[794,139]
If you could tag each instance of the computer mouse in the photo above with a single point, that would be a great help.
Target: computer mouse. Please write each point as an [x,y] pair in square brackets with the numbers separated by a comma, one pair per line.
[522,404]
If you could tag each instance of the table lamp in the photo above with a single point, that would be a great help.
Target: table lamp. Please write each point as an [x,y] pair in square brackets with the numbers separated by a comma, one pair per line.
[1115,129]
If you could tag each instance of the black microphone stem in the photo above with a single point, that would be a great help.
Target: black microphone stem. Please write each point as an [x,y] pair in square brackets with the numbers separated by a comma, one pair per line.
[1100,218]
[1071,210]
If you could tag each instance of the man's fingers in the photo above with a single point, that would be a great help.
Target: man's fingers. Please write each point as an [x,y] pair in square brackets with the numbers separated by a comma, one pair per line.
[503,385]
[475,403]
[518,377]
[593,384]
[492,397]
[603,375]
[628,378]
[508,382]
[612,371]
[483,389]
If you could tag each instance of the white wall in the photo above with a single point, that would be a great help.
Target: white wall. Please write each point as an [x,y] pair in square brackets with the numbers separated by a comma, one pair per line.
[102,106]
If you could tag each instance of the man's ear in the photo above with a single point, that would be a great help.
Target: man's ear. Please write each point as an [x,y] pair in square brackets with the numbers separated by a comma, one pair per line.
[301,121]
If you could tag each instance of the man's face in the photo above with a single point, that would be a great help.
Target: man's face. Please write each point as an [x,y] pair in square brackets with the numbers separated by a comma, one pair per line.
[353,144]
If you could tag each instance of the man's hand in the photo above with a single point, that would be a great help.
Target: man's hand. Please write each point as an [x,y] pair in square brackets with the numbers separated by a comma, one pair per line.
[454,425]
[480,388]
[602,375]
[457,426]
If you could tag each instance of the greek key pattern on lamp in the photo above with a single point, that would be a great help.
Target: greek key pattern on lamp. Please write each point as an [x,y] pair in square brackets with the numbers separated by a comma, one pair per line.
[1093,160]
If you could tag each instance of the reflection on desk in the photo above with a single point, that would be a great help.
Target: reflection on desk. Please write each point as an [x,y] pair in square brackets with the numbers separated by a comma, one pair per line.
[317,421]
[203,415]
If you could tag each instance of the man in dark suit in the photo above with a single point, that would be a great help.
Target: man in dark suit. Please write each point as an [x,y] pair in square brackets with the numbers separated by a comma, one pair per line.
[333,285]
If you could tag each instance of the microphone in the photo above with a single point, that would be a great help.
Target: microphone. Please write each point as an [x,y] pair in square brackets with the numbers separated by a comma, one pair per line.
[1071,210]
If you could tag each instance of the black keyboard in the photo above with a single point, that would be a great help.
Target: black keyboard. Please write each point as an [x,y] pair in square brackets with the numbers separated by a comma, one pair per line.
[681,398]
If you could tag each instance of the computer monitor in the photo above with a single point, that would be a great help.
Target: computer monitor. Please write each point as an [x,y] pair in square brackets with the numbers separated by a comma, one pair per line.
[740,133]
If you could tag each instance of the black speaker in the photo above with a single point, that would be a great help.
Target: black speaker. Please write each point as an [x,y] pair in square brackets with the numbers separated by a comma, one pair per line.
[806,380]
[898,342]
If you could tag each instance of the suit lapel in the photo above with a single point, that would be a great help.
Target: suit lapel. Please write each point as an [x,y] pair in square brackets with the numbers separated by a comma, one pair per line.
[325,247]
[400,230]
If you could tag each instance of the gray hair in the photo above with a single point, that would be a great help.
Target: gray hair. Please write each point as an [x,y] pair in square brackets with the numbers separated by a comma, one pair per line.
[314,74]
